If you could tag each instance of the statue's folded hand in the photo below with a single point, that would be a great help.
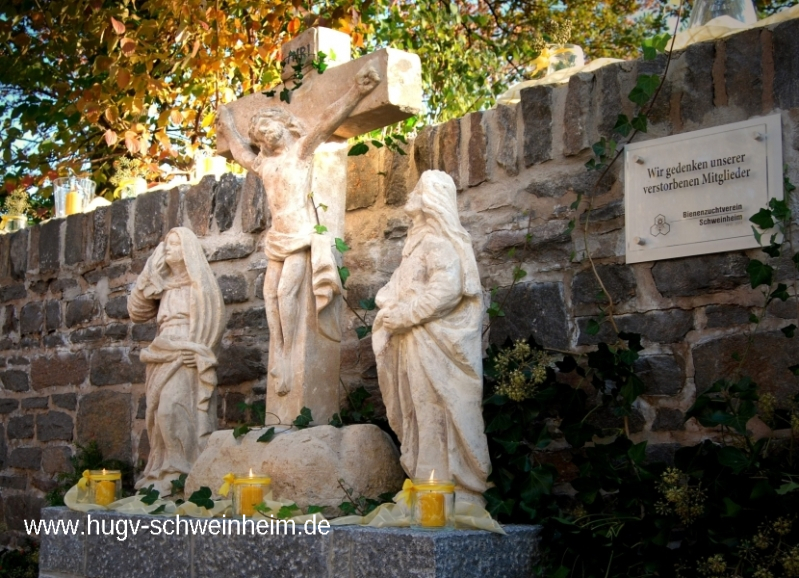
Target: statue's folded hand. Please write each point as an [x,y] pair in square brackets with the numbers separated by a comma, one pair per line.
[394,321]
[188,358]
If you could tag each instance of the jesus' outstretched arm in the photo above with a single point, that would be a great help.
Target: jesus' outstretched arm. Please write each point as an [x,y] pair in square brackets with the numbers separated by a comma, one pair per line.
[240,147]
[365,82]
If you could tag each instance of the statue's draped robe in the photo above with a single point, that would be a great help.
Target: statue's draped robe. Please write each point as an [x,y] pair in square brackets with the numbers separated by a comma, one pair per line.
[325,281]
[439,360]
[181,400]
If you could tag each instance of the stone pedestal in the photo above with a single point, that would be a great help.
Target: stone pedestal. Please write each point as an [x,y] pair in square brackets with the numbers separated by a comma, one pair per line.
[305,465]
[346,551]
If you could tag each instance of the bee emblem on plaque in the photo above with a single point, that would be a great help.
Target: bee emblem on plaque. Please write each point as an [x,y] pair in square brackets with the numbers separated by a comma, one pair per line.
[661,227]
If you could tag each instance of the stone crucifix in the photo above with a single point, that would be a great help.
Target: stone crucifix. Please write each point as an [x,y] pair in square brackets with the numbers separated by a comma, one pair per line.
[306,190]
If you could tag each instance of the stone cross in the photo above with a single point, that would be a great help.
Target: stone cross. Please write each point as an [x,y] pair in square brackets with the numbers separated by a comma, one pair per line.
[315,359]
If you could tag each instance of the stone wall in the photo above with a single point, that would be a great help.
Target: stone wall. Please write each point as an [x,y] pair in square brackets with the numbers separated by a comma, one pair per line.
[69,362]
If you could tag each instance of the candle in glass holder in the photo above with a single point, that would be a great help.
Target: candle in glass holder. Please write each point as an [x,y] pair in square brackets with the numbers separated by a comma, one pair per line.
[433,503]
[104,493]
[74,202]
[248,492]
[432,511]
[251,496]
[105,486]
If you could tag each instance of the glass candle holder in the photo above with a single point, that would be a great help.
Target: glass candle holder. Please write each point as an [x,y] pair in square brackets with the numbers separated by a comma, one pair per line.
[564,56]
[72,195]
[249,490]
[207,164]
[433,504]
[12,223]
[706,10]
[105,486]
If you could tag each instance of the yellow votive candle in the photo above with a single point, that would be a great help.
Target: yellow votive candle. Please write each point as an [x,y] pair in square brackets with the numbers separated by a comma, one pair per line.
[251,496]
[432,511]
[105,493]
[74,202]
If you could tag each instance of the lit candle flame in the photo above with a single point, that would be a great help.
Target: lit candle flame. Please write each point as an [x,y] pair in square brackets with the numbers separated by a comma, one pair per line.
[251,473]
[432,475]
[103,471]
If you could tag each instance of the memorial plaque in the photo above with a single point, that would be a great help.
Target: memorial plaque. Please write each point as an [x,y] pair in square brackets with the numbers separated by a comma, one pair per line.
[693,193]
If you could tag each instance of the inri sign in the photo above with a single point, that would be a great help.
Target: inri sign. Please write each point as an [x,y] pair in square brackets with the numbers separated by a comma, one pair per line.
[693,193]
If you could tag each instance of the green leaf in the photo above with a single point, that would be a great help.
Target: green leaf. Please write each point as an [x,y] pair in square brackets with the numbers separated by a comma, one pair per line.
[593,327]
[794,369]
[733,458]
[240,431]
[494,310]
[319,63]
[632,389]
[789,487]
[576,202]
[367,304]
[640,123]
[363,331]
[320,229]
[763,219]
[759,273]
[599,148]
[569,228]
[773,250]
[179,484]
[649,52]
[795,260]
[645,87]
[637,453]
[501,422]
[159,510]
[358,149]
[519,273]
[288,511]
[510,446]
[267,436]
[731,508]
[315,509]
[341,246]
[285,96]
[789,331]
[561,572]
[761,489]
[202,498]
[538,484]
[623,125]
[780,209]
[758,235]
[149,495]
[781,292]
[754,318]
[304,419]
[343,274]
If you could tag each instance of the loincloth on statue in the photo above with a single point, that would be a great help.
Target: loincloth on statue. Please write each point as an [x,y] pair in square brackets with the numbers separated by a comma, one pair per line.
[325,279]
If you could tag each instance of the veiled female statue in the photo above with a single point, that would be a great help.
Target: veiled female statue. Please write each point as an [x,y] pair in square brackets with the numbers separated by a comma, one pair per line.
[178,288]
[427,342]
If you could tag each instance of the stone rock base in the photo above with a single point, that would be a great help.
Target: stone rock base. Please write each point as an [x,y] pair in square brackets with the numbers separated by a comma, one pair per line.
[305,465]
[344,551]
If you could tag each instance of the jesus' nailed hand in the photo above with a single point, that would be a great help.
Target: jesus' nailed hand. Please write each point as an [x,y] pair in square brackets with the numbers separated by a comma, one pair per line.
[284,163]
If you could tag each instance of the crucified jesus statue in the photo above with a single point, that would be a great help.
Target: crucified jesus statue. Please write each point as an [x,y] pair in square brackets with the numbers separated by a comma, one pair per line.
[284,162]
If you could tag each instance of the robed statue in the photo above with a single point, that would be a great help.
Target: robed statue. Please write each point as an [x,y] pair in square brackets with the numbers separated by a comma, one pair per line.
[428,347]
[178,288]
